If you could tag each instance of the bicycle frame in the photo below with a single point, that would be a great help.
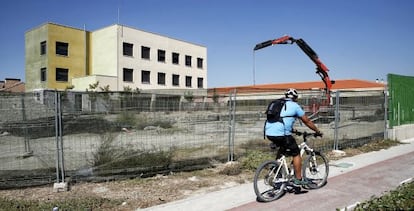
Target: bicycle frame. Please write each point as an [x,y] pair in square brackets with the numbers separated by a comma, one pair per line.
[304,148]
[283,164]
[273,177]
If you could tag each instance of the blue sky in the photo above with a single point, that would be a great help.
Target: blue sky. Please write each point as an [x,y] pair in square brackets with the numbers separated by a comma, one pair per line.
[355,39]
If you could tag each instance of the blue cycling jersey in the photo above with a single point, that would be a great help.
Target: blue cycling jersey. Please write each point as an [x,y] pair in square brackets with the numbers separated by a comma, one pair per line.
[289,114]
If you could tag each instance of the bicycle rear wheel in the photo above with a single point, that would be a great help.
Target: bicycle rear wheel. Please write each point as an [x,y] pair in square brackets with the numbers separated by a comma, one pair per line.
[316,170]
[269,181]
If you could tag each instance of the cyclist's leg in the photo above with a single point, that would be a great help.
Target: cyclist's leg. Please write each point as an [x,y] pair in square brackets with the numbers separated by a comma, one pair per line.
[280,142]
[292,149]
[297,165]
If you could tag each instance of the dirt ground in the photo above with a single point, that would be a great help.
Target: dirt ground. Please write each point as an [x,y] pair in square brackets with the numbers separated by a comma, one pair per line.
[142,193]
[139,193]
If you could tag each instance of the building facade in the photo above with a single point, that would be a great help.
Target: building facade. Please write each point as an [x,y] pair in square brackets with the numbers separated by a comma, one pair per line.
[116,57]
[54,55]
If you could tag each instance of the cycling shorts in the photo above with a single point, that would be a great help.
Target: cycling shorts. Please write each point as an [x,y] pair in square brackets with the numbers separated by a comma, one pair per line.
[287,144]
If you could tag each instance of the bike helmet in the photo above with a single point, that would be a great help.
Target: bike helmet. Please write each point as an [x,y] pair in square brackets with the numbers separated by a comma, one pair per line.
[291,93]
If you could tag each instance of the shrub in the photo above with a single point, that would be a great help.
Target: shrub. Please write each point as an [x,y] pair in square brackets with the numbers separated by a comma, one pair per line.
[231,169]
[399,199]
[106,152]
[110,156]
[254,158]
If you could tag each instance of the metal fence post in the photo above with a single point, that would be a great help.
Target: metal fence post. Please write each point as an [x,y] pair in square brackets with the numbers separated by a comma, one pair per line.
[59,139]
[386,112]
[232,113]
[233,125]
[26,135]
[335,147]
[57,136]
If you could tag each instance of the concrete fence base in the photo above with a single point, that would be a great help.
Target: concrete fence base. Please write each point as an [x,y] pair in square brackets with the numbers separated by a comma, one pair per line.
[401,132]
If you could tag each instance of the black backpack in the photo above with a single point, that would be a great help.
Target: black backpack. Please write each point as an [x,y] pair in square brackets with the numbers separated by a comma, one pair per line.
[273,113]
[274,109]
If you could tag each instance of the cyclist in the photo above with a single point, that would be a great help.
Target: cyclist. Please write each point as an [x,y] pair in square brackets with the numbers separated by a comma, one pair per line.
[281,133]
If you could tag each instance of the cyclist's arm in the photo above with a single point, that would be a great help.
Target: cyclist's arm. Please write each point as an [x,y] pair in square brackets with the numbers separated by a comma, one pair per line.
[309,123]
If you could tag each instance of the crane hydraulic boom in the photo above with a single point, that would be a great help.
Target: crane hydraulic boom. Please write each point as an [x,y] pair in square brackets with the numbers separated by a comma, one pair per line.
[321,69]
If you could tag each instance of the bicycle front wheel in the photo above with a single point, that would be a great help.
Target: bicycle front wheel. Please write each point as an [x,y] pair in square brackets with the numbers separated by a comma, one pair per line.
[316,170]
[270,181]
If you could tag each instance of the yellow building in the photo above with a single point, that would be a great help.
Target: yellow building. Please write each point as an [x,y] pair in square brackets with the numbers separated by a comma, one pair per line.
[116,56]
[54,55]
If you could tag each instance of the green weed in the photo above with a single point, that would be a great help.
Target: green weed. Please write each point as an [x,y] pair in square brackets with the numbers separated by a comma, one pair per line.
[402,198]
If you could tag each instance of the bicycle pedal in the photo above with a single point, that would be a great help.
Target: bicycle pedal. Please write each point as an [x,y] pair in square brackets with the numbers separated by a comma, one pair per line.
[293,189]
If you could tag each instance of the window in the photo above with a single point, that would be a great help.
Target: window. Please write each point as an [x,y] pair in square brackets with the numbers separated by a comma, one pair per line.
[175,80]
[62,74]
[43,48]
[187,61]
[128,75]
[161,55]
[188,81]
[161,78]
[145,52]
[145,77]
[200,63]
[175,58]
[62,48]
[43,74]
[128,49]
[200,82]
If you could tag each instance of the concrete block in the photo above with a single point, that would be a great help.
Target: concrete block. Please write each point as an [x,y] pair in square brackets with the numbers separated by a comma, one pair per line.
[61,186]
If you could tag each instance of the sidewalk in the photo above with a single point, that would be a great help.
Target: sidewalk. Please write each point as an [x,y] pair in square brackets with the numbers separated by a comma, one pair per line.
[347,177]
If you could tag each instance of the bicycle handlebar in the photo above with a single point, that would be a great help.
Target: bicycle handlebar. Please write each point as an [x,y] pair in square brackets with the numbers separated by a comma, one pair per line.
[306,134]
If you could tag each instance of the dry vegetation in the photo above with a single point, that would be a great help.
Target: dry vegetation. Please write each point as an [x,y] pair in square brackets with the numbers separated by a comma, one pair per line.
[141,193]
[138,193]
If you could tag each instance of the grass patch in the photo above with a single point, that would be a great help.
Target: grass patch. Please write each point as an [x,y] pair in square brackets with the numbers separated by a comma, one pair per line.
[378,145]
[402,198]
[89,203]
[370,147]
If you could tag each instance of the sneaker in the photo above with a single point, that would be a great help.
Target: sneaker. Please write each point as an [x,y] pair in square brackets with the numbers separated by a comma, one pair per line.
[300,182]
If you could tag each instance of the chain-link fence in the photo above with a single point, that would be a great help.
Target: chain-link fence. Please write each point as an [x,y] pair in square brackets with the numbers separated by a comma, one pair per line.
[353,119]
[50,137]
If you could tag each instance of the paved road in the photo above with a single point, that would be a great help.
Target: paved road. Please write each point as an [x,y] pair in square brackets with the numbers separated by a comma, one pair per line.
[351,180]
[346,189]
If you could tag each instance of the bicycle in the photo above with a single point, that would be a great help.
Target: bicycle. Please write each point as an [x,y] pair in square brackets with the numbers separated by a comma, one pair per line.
[273,178]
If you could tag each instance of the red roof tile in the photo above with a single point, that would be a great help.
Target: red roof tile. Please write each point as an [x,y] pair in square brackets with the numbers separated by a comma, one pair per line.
[350,84]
